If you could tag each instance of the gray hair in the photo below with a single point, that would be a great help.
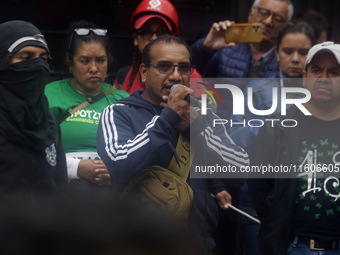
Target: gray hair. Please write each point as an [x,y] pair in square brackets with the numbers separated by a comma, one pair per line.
[290,7]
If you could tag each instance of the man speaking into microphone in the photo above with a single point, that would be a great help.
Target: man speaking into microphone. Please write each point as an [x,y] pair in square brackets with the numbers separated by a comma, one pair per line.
[143,130]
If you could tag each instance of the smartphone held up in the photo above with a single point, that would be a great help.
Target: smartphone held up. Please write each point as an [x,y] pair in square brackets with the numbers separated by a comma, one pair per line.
[244,33]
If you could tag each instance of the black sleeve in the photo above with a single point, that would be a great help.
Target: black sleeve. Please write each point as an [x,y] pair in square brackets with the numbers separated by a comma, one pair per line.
[216,186]
[264,153]
[201,57]
[60,176]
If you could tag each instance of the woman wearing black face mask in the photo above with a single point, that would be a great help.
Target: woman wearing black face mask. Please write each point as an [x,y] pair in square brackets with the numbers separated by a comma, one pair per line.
[32,160]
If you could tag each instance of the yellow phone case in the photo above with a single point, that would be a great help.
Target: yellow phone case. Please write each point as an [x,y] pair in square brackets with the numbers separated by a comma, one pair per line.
[244,33]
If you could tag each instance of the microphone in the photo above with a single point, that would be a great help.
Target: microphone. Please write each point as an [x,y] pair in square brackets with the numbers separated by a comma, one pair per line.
[189,98]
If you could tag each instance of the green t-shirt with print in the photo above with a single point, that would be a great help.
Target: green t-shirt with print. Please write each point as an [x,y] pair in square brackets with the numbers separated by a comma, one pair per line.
[80,129]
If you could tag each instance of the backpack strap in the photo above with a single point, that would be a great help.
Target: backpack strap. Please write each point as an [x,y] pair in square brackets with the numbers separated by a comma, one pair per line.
[185,156]
[90,100]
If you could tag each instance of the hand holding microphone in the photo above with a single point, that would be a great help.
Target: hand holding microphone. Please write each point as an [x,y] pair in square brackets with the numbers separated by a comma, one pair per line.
[178,100]
[189,98]
[175,100]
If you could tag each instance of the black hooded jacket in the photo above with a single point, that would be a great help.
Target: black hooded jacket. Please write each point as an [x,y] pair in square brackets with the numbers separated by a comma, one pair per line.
[32,159]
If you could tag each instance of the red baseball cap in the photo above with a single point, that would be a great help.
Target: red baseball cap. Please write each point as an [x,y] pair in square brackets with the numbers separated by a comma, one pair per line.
[141,21]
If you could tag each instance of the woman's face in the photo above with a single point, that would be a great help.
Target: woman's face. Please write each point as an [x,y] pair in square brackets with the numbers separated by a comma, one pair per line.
[152,25]
[292,53]
[89,67]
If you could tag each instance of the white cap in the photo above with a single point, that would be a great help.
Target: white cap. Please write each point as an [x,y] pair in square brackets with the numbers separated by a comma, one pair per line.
[324,47]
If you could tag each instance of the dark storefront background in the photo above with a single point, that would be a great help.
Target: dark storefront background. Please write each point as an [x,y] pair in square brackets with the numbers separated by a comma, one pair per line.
[52,17]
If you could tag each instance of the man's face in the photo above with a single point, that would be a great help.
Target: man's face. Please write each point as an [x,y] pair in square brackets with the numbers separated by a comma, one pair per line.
[27,53]
[157,84]
[323,79]
[275,7]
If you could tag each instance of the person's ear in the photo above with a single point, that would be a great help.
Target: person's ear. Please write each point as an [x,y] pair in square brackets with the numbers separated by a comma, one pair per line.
[304,75]
[135,40]
[69,64]
[277,53]
[143,72]
[250,14]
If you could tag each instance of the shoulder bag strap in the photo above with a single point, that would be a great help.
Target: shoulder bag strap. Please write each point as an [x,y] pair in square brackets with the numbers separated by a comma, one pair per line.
[181,165]
[90,100]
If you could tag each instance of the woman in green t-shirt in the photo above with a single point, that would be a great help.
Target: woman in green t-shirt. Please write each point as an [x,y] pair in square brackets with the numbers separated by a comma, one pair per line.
[88,55]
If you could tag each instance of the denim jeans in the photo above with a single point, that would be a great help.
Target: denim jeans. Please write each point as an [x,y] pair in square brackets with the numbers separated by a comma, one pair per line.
[298,248]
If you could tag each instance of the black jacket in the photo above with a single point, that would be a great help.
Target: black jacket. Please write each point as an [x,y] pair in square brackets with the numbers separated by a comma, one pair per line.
[274,198]
[29,173]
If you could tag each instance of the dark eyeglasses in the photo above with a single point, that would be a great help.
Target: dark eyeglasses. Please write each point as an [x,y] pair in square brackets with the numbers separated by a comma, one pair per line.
[263,13]
[147,33]
[86,31]
[168,68]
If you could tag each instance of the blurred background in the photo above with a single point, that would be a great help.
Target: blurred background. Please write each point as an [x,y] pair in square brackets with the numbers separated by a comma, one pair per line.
[52,17]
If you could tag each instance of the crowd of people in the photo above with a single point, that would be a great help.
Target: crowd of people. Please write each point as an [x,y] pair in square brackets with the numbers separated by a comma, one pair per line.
[114,167]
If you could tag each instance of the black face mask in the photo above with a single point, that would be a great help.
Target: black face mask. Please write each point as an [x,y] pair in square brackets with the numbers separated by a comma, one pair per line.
[24,111]
[26,80]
